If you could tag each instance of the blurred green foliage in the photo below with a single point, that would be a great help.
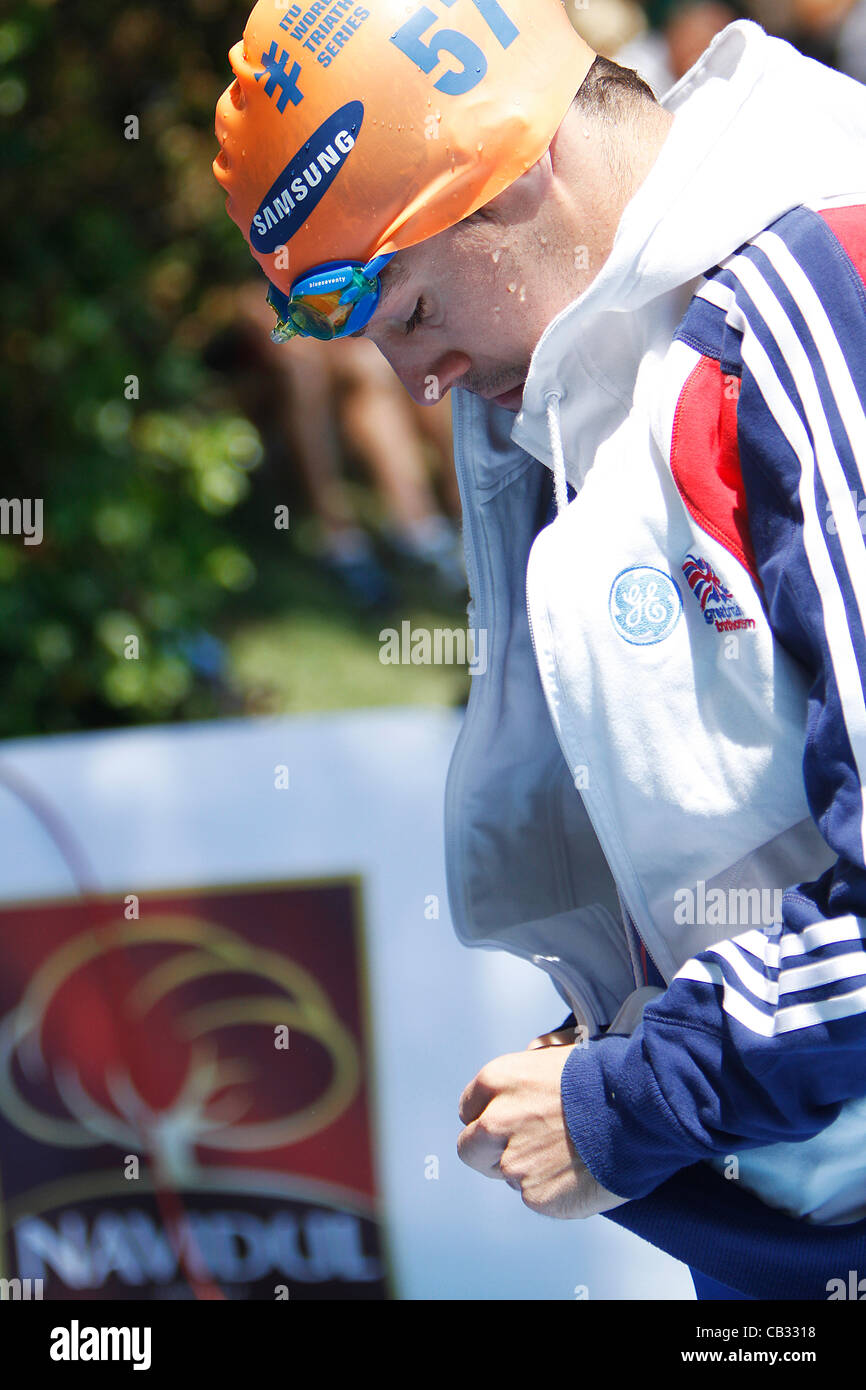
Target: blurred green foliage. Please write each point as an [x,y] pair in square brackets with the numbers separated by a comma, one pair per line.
[115,249]
[158,495]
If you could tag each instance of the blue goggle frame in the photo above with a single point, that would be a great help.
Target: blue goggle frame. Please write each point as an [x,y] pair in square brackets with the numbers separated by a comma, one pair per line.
[332,301]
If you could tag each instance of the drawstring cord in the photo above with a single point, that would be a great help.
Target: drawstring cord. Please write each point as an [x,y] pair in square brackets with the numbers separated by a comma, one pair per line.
[554,429]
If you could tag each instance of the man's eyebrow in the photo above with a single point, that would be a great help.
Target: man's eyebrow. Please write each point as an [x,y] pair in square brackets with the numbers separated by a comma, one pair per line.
[391,277]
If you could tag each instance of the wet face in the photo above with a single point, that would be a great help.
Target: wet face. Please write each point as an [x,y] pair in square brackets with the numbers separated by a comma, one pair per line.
[467,308]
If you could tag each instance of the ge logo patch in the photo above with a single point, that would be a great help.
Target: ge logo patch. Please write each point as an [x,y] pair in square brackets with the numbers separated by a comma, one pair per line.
[645,605]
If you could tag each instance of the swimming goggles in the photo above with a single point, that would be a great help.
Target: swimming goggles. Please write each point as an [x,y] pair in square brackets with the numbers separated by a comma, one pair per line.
[333,301]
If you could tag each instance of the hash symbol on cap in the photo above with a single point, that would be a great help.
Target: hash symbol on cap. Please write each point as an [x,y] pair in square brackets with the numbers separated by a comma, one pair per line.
[287,82]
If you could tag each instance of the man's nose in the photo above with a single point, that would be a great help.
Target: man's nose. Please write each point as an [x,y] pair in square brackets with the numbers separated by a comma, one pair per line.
[430,381]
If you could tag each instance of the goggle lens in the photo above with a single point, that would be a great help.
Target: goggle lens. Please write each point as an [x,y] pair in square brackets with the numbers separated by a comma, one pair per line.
[312,322]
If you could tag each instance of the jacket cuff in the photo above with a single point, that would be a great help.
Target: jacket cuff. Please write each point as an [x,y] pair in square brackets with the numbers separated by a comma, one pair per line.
[619,1121]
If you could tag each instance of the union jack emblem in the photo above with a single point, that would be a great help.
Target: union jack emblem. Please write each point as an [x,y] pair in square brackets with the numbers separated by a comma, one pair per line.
[704,583]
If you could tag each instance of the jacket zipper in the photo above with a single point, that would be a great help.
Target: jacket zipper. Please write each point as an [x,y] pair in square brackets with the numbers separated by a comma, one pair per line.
[463,746]
[625,906]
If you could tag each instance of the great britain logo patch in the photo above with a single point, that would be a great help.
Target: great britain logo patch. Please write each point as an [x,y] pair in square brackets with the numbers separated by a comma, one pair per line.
[718,605]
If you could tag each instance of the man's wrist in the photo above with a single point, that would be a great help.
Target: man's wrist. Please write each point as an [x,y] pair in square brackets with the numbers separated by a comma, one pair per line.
[618,1120]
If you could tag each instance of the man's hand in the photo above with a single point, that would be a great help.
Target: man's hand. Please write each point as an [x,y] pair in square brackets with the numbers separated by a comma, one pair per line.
[515,1130]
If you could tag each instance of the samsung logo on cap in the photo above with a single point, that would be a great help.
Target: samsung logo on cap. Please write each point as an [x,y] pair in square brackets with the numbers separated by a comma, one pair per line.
[306,179]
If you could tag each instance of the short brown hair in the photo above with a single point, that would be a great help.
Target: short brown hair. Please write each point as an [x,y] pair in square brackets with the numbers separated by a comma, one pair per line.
[609,90]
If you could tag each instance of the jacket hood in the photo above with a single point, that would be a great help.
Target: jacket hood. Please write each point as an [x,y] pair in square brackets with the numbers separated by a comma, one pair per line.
[758,129]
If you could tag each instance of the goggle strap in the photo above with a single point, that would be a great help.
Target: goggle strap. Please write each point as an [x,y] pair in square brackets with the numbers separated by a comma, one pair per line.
[284,329]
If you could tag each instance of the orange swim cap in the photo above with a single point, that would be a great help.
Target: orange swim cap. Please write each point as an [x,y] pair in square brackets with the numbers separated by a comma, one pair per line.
[353,130]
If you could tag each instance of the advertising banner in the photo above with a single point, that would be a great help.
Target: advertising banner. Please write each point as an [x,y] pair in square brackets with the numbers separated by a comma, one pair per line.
[184,1096]
[235,1025]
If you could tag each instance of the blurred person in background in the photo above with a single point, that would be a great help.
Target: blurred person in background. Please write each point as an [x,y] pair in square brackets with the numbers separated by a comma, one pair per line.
[320,404]
[664,38]
[851,42]
[660,42]
[833,31]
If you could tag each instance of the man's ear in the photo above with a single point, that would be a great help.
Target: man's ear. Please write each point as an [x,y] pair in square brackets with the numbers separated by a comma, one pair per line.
[521,200]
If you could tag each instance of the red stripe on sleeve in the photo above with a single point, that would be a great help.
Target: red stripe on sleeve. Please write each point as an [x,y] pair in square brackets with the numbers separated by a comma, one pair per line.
[705,459]
[848,226]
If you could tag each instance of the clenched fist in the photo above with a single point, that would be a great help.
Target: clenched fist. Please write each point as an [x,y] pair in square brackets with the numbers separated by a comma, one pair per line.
[516,1130]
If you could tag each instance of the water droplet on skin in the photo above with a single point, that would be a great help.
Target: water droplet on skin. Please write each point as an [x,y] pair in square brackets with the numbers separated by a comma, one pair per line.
[480,147]
[522,295]
[497,309]
[511,289]
[544,241]
[494,256]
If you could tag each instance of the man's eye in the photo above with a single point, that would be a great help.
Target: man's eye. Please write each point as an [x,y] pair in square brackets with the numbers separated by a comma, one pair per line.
[417,317]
